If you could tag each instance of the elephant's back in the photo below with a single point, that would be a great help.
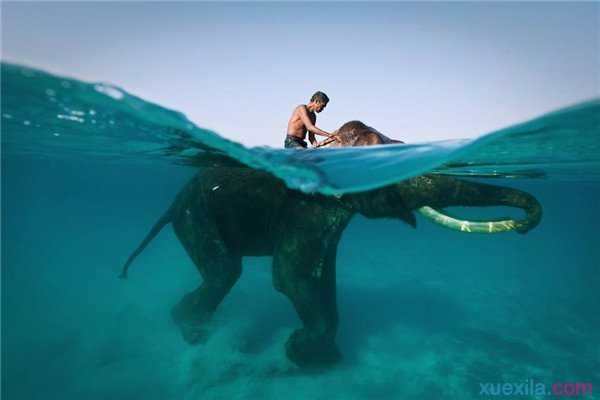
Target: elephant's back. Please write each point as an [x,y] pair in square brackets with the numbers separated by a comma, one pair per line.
[216,187]
[241,203]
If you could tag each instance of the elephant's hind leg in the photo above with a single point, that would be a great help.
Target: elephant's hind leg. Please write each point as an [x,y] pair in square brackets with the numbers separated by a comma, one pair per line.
[306,275]
[220,270]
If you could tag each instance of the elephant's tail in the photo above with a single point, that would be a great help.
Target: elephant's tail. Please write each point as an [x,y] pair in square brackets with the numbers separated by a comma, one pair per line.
[162,221]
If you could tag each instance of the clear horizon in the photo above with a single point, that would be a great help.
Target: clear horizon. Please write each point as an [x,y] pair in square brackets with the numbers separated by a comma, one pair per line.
[416,72]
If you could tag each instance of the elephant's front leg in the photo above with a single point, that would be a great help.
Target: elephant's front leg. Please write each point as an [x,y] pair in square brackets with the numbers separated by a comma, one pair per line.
[304,270]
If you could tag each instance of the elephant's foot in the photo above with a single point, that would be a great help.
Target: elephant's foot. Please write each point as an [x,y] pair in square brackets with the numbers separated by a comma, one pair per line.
[311,351]
[193,332]
[194,326]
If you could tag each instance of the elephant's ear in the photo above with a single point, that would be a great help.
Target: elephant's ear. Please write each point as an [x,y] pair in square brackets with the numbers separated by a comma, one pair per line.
[408,216]
[401,210]
[394,205]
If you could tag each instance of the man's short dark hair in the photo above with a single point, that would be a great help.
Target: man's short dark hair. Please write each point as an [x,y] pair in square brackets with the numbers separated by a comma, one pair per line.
[320,97]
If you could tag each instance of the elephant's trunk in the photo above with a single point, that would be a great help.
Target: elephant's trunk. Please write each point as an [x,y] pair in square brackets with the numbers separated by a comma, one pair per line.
[474,226]
[446,191]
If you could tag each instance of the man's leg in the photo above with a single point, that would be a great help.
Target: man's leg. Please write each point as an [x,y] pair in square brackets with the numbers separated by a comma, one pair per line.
[294,143]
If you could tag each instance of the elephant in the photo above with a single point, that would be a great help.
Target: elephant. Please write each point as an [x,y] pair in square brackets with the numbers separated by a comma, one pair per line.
[226,213]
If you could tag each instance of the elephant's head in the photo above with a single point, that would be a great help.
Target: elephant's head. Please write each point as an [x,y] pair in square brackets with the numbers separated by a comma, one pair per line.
[356,133]
[428,194]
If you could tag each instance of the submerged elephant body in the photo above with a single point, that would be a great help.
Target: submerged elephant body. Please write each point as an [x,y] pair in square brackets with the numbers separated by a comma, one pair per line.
[223,214]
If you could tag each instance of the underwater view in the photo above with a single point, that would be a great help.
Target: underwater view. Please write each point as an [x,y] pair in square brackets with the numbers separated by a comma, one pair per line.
[264,273]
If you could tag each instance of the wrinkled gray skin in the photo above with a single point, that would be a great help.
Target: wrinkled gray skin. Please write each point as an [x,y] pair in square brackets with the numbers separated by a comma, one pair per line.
[223,214]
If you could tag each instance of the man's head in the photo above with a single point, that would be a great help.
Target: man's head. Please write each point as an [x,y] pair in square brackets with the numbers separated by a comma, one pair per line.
[320,100]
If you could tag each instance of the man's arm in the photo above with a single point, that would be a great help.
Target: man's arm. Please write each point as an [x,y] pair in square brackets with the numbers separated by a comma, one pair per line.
[312,139]
[310,127]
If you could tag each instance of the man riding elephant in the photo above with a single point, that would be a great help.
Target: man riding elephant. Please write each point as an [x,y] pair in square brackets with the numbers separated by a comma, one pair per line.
[226,213]
[303,120]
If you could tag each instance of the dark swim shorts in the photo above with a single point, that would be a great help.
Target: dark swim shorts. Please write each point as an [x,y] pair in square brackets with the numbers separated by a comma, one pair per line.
[293,142]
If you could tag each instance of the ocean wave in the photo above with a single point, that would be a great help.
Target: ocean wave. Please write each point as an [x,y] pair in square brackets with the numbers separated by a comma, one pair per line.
[51,116]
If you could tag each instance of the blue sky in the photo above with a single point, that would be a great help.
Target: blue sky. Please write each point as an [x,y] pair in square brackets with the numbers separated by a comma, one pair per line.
[415,71]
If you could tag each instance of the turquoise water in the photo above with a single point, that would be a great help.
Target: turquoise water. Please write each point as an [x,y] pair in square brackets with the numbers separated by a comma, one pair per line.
[426,313]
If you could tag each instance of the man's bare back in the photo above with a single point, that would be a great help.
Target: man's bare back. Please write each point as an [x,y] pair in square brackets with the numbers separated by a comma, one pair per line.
[303,120]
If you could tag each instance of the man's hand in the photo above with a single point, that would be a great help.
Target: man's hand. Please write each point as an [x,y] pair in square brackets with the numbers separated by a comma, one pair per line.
[330,139]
